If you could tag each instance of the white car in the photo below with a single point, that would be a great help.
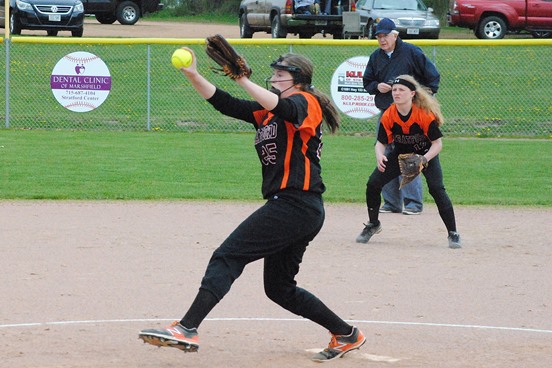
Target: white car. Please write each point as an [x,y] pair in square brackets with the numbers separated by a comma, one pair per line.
[412,17]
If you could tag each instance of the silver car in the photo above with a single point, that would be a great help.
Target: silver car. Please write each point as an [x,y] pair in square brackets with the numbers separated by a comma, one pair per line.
[412,17]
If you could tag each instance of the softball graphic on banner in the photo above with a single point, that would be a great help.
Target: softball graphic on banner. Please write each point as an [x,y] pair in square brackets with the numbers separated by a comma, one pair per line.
[80,81]
[348,91]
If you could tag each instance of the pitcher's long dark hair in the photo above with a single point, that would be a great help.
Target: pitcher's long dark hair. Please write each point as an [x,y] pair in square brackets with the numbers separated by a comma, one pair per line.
[301,69]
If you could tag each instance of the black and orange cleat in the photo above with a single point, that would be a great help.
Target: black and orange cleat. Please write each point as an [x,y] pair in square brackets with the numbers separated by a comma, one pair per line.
[340,345]
[174,336]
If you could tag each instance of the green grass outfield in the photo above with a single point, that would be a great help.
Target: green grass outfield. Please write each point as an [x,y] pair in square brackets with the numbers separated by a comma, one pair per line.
[205,166]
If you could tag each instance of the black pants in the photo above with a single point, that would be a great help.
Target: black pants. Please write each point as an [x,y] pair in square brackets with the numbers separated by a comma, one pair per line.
[434,178]
[279,232]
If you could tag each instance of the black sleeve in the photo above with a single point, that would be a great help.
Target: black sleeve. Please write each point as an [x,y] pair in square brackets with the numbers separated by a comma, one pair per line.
[234,107]
[293,109]
[427,73]
[369,78]
[433,132]
[382,135]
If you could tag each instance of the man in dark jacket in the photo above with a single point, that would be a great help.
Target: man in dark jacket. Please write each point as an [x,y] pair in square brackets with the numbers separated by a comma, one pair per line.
[393,58]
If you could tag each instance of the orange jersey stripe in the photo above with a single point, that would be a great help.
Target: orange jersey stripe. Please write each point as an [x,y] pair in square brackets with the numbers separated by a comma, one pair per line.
[289,149]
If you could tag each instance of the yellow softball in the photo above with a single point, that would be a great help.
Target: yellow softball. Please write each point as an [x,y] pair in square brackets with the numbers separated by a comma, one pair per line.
[181,58]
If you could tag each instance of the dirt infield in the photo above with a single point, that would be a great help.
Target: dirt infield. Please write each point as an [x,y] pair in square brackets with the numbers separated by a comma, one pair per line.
[80,279]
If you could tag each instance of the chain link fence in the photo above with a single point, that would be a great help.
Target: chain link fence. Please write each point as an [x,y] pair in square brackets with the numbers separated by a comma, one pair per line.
[488,88]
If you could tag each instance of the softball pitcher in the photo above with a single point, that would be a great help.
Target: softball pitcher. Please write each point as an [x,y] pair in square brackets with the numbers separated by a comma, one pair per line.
[288,120]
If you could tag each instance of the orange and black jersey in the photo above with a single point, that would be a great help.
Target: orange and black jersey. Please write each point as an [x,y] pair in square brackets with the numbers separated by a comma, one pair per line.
[288,139]
[411,133]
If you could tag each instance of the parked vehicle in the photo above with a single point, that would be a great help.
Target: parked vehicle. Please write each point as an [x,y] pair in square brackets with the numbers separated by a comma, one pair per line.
[278,17]
[127,12]
[412,17]
[493,19]
[51,16]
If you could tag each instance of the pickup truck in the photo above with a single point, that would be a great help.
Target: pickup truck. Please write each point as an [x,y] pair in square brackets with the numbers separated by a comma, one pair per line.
[125,11]
[279,18]
[493,19]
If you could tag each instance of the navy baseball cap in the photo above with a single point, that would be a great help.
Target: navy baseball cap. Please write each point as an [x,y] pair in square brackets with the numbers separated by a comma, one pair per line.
[385,26]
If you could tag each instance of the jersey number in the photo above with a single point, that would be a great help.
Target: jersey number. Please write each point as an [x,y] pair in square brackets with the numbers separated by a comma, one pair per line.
[268,153]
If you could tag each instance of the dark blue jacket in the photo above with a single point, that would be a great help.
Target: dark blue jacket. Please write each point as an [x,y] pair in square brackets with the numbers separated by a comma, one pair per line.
[406,59]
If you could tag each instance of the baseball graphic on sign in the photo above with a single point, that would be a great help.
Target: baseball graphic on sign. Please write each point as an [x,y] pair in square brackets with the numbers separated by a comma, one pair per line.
[80,81]
[348,91]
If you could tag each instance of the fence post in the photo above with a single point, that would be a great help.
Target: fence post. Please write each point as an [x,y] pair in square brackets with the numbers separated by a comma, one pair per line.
[7,80]
[148,89]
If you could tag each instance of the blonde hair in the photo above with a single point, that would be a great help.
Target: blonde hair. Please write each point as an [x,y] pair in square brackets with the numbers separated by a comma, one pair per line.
[424,99]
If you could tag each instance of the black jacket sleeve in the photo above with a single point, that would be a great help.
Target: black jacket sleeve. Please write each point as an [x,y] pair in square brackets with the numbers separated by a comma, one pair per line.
[369,78]
[426,72]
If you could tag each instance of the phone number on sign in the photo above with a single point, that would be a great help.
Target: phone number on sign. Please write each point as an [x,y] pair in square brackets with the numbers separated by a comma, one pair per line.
[358,98]
[78,93]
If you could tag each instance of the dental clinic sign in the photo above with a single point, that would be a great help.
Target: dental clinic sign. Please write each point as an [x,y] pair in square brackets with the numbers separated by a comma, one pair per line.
[80,81]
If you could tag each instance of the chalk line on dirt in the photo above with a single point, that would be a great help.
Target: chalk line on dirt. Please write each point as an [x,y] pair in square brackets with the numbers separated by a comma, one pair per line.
[232,319]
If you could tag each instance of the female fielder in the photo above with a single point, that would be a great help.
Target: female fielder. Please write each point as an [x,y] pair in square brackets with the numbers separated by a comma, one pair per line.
[288,119]
[412,123]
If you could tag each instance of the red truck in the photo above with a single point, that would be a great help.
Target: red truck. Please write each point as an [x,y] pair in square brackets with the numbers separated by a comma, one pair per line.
[493,19]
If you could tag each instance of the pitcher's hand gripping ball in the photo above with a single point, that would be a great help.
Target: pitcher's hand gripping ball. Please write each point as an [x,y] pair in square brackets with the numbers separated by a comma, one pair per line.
[411,165]
[181,58]
[232,63]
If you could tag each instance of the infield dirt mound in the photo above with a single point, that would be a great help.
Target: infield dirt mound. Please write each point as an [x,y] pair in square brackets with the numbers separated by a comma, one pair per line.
[80,279]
